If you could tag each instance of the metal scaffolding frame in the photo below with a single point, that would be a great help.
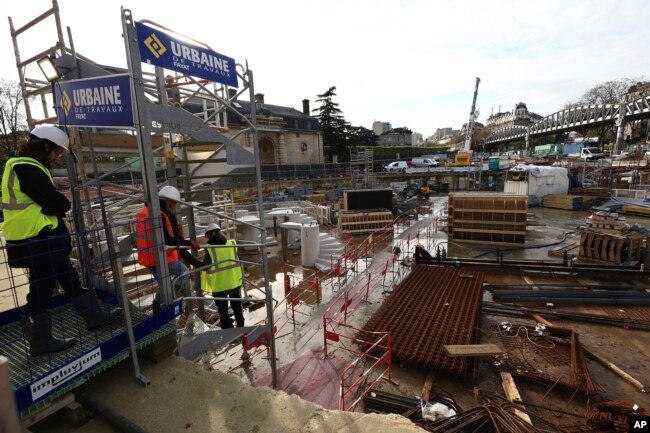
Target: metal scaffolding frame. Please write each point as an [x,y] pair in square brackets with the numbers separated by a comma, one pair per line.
[159,108]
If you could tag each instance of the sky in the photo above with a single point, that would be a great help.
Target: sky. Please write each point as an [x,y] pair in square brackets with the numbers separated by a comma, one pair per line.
[411,63]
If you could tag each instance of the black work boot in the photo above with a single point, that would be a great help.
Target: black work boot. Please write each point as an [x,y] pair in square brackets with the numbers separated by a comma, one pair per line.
[87,305]
[38,331]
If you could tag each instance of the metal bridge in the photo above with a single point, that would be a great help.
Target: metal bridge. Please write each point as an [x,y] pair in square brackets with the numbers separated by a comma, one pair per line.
[586,116]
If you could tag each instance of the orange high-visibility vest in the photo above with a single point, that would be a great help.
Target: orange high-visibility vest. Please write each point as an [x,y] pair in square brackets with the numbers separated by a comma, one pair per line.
[144,239]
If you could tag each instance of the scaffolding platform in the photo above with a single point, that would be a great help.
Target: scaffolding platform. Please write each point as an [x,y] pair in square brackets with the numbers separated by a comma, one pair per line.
[38,380]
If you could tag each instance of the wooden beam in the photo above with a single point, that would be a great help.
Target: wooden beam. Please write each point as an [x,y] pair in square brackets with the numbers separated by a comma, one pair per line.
[428,384]
[512,394]
[454,350]
[48,410]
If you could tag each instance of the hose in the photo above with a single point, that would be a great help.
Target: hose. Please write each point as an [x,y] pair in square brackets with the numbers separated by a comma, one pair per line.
[529,247]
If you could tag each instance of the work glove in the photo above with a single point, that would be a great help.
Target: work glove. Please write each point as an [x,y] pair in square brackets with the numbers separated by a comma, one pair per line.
[196,246]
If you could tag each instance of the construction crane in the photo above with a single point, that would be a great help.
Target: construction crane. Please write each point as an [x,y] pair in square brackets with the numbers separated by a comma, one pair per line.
[463,157]
[472,119]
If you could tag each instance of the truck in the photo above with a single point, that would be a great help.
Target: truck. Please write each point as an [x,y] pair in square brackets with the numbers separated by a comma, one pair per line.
[588,154]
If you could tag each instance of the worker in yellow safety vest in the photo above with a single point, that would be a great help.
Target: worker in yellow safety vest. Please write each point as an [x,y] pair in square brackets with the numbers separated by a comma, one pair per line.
[38,239]
[225,277]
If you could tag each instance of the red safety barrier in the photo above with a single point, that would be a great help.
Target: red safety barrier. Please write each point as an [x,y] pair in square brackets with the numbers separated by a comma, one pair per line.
[372,361]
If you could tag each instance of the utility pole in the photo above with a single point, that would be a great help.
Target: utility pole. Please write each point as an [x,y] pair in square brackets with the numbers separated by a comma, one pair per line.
[472,118]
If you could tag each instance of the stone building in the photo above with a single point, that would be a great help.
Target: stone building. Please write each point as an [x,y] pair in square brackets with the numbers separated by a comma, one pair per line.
[396,137]
[518,116]
[285,135]
[476,128]
[443,133]
[381,127]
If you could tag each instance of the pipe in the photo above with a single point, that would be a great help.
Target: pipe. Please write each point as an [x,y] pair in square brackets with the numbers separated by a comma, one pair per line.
[584,301]
[116,420]
[502,310]
[586,293]
[489,286]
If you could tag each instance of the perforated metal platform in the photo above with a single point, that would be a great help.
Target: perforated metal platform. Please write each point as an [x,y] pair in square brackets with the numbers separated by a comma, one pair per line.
[38,380]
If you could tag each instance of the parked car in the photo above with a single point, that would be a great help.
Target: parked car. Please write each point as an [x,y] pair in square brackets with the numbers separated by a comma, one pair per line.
[397,166]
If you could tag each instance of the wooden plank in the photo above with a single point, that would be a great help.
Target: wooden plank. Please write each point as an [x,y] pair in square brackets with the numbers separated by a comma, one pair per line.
[512,394]
[428,385]
[48,410]
[454,350]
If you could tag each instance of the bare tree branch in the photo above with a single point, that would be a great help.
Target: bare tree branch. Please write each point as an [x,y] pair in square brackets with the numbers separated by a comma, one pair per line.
[12,119]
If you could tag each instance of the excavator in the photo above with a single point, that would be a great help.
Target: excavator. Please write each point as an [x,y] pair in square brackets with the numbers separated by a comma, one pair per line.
[463,157]
[412,190]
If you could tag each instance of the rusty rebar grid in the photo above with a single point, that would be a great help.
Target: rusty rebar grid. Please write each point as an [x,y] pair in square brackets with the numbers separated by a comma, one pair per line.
[431,308]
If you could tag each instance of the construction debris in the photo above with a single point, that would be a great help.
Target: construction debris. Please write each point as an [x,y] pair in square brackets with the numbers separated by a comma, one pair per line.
[606,238]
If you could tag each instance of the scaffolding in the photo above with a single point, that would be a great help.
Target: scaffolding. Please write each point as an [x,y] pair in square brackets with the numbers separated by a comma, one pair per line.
[186,112]
[362,166]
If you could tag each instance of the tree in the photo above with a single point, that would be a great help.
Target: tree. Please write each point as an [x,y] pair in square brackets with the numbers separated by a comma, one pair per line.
[481,136]
[361,136]
[11,117]
[333,125]
[609,92]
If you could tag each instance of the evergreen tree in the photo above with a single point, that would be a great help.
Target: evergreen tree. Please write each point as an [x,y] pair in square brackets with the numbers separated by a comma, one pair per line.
[333,125]
[361,136]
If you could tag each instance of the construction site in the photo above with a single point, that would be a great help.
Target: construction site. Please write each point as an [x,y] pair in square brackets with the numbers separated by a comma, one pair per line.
[400,302]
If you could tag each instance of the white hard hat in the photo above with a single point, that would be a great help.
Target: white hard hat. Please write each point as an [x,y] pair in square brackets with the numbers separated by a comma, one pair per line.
[168,192]
[53,134]
[212,227]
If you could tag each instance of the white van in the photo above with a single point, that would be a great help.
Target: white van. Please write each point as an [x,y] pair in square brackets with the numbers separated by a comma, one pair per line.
[397,166]
[425,162]
[588,154]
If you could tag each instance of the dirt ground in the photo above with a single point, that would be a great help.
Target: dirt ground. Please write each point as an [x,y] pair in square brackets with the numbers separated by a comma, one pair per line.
[183,397]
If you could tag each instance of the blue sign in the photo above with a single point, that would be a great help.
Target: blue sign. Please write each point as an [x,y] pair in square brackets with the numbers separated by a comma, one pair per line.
[160,49]
[95,102]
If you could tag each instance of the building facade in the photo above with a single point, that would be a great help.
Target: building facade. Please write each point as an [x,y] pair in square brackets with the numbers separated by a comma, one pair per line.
[518,116]
[285,135]
[443,134]
[396,137]
[417,139]
[381,127]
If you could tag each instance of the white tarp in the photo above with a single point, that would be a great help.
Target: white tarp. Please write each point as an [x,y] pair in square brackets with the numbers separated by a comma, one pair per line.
[541,180]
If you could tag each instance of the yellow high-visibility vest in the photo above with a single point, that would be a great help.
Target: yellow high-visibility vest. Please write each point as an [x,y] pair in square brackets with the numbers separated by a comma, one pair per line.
[225,272]
[23,218]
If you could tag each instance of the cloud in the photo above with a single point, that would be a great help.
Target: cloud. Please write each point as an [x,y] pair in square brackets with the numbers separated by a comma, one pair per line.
[411,63]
